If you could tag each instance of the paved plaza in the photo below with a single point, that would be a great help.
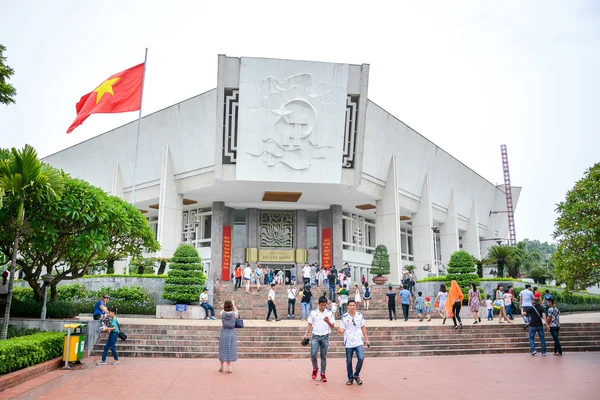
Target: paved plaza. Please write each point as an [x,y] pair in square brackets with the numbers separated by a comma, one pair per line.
[450,377]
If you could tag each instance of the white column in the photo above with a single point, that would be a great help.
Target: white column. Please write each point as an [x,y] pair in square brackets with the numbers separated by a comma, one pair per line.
[449,231]
[471,242]
[117,185]
[422,233]
[387,222]
[170,208]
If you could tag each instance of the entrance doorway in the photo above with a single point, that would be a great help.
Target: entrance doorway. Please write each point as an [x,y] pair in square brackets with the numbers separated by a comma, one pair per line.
[286,269]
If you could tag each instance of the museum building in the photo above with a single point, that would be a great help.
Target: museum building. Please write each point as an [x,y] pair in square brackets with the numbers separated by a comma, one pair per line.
[287,162]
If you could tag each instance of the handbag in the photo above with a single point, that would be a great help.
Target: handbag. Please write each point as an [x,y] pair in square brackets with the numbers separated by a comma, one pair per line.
[239,322]
[122,335]
[498,304]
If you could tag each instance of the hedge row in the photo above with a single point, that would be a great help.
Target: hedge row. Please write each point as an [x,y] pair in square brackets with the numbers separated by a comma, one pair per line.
[25,351]
[75,299]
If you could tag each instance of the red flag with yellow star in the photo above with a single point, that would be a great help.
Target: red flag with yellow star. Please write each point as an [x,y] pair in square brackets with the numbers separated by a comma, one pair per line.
[121,92]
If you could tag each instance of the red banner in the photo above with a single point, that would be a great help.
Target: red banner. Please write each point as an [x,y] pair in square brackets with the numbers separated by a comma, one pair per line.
[326,257]
[226,273]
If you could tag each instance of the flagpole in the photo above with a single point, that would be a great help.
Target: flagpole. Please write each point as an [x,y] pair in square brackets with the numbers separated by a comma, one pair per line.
[137,141]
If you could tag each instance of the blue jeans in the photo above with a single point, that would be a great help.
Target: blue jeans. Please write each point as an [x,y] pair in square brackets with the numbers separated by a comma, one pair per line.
[319,342]
[332,292]
[305,310]
[540,332]
[360,355]
[208,307]
[111,344]
[491,313]
[310,303]
[509,311]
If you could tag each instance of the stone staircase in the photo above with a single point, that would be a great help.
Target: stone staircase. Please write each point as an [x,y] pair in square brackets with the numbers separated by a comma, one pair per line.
[253,305]
[394,341]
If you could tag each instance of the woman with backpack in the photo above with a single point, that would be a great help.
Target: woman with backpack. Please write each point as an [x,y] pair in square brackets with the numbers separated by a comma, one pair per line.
[366,295]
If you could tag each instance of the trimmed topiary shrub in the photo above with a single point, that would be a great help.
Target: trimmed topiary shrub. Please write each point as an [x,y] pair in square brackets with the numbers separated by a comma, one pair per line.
[185,278]
[25,351]
[381,261]
[461,268]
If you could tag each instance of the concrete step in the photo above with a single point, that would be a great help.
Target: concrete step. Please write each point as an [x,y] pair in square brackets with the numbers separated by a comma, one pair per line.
[283,342]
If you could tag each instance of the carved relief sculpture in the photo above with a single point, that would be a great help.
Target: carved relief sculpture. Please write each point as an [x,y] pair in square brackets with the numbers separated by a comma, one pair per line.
[276,229]
[289,135]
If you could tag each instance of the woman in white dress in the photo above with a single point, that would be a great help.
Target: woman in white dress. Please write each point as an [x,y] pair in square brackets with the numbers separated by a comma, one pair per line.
[357,296]
[440,300]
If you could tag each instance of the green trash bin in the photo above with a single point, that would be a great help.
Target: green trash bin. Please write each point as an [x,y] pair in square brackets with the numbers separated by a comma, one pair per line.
[81,334]
[74,344]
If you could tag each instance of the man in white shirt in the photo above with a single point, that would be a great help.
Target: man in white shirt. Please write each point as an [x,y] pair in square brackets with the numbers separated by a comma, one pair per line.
[271,303]
[247,276]
[204,303]
[321,321]
[525,303]
[355,337]
[291,292]
[306,274]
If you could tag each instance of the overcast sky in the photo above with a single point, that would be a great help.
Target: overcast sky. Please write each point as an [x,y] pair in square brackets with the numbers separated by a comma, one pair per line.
[469,76]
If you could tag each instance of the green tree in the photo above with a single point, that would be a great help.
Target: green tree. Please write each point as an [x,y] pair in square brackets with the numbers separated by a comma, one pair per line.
[84,229]
[525,259]
[480,263]
[185,278]
[577,229]
[7,91]
[28,182]
[461,268]
[501,256]
[381,261]
[545,248]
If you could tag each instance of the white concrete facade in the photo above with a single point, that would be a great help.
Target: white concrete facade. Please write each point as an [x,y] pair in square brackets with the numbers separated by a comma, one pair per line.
[295,127]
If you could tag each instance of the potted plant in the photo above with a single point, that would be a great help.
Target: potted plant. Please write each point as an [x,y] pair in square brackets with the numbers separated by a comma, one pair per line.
[380,265]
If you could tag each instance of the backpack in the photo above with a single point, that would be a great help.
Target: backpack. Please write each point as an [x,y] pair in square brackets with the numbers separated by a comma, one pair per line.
[367,294]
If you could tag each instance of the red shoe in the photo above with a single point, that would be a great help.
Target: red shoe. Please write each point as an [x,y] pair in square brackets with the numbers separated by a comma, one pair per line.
[314,374]
[323,377]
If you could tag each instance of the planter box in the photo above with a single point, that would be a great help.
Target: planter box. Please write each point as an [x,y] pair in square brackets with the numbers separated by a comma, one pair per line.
[168,311]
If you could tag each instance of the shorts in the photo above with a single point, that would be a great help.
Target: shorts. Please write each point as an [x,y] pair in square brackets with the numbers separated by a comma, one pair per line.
[246,279]
[420,311]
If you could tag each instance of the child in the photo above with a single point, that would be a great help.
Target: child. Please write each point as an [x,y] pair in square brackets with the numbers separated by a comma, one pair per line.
[490,307]
[334,307]
[553,321]
[111,342]
[427,306]
[357,296]
[420,306]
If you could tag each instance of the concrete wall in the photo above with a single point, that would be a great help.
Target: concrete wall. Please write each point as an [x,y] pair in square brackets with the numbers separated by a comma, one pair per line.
[91,331]
[153,285]
[386,136]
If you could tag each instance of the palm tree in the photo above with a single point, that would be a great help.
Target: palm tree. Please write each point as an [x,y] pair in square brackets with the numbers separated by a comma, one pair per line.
[526,260]
[501,256]
[28,181]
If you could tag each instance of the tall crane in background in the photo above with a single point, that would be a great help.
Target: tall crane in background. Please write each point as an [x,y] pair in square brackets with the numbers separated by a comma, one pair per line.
[512,238]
